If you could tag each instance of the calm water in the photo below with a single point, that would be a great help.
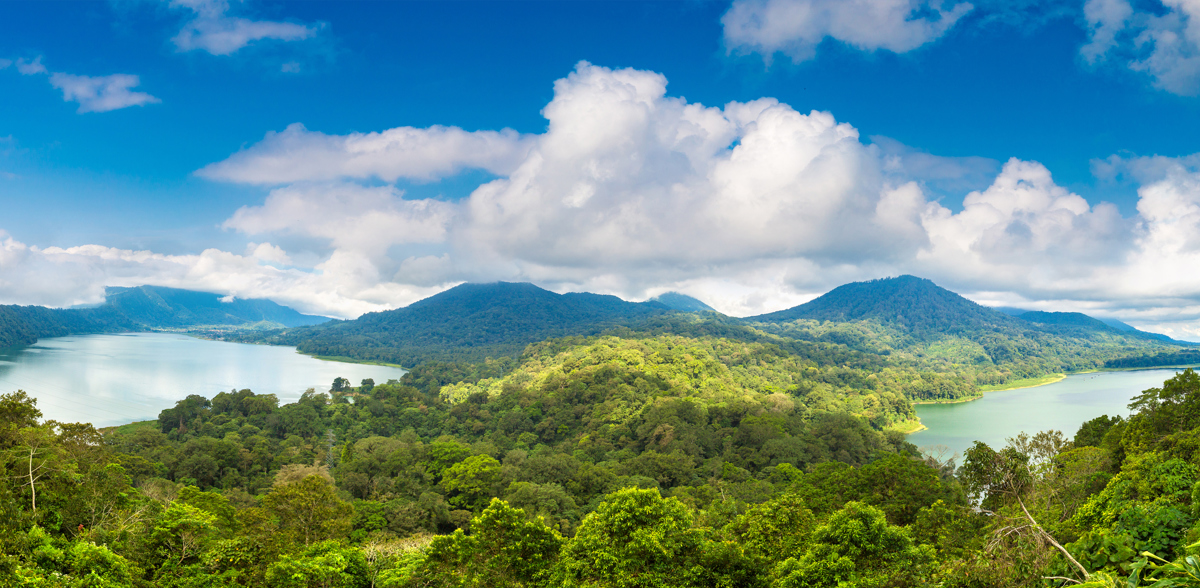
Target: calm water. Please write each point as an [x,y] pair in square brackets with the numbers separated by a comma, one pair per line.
[1063,405]
[116,379]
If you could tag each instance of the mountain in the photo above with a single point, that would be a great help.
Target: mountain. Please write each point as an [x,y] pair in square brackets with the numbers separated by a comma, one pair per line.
[917,323]
[1120,326]
[145,308]
[24,325]
[1067,319]
[682,302]
[470,322]
[915,305]
[157,307]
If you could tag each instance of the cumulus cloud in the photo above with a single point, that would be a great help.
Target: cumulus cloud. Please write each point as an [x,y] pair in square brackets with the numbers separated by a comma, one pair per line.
[213,30]
[1161,40]
[1023,228]
[101,93]
[59,276]
[297,154]
[796,27]
[751,206]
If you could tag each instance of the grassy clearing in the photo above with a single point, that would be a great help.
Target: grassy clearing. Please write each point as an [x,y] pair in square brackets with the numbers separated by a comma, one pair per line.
[1025,383]
[344,359]
[130,428]
[954,401]
[906,427]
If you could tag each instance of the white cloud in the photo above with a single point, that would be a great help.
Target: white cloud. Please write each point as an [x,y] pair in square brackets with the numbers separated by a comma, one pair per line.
[796,27]
[750,206]
[4,63]
[92,93]
[1024,232]
[58,276]
[297,154]
[101,93]
[290,67]
[1161,40]
[215,31]
[364,220]
[29,68]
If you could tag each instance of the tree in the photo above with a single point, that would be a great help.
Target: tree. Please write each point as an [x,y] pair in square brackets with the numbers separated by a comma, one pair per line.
[634,539]
[503,549]
[182,531]
[308,511]
[857,547]
[472,481]
[327,564]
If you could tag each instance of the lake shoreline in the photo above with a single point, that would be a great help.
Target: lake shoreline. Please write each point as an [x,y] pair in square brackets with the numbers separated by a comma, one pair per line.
[1064,406]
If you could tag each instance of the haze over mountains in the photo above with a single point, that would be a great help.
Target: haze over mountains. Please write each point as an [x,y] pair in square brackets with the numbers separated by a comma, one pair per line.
[145,308]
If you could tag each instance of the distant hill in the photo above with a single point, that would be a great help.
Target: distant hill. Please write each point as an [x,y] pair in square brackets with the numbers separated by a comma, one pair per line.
[1067,319]
[469,322]
[24,325]
[158,307]
[145,308]
[682,302]
[917,322]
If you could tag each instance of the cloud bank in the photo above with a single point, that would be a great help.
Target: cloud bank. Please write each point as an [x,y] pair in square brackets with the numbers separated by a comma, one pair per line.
[751,206]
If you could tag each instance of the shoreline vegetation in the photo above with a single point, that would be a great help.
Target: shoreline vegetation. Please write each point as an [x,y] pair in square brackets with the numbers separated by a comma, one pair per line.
[344,359]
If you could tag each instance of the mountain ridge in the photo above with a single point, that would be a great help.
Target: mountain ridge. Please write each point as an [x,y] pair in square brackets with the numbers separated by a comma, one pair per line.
[469,322]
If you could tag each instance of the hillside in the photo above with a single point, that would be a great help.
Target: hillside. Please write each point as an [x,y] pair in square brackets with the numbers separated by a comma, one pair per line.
[915,305]
[682,302]
[145,308]
[470,323]
[915,322]
[24,325]
[158,307]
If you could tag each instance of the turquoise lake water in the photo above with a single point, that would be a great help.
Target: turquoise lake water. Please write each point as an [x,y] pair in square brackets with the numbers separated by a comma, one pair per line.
[116,379]
[1063,406]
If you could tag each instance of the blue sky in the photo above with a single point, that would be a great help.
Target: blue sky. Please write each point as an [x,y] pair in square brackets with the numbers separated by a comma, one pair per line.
[438,142]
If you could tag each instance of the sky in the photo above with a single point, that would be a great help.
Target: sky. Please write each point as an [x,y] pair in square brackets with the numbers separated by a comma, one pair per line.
[348,157]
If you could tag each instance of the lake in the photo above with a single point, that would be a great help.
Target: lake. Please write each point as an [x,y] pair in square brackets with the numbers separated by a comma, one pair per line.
[117,379]
[1063,406]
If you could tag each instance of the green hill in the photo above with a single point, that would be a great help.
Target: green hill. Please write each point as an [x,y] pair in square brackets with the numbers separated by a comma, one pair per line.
[917,323]
[682,302]
[158,307]
[914,305]
[145,308]
[24,325]
[470,323]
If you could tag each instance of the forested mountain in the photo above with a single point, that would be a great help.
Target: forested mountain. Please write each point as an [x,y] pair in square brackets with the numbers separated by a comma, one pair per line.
[470,323]
[24,325]
[915,305]
[145,308]
[916,323]
[159,307]
[682,302]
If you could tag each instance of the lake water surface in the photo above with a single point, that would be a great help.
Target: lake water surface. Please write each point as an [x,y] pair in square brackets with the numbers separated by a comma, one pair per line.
[1063,405]
[116,379]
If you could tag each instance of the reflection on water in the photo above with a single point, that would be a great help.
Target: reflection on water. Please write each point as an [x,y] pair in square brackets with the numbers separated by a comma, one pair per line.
[1063,405]
[115,379]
